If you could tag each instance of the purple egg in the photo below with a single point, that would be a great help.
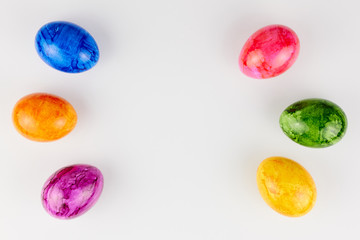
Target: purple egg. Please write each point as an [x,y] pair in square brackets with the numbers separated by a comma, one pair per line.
[72,191]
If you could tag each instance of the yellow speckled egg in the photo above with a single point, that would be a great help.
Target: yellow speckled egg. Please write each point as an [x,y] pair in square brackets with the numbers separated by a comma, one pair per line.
[286,186]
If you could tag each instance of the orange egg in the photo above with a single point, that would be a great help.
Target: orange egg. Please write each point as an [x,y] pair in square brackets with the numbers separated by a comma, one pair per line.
[286,186]
[44,117]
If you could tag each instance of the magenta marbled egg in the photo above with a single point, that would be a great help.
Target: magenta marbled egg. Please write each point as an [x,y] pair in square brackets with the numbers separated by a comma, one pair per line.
[269,52]
[72,190]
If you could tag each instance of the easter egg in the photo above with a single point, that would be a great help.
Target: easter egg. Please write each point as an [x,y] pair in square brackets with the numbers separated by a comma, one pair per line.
[71,191]
[44,117]
[66,47]
[314,123]
[286,186]
[269,52]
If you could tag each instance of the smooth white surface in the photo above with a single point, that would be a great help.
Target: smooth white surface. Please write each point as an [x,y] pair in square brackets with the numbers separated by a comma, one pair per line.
[177,130]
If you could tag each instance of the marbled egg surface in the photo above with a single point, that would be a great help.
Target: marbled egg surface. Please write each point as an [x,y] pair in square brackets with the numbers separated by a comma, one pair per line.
[66,47]
[44,117]
[72,191]
[286,186]
[314,123]
[269,52]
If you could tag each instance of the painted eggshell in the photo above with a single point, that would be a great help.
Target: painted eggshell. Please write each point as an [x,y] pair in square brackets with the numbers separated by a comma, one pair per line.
[44,117]
[314,123]
[66,47]
[286,186]
[269,52]
[72,191]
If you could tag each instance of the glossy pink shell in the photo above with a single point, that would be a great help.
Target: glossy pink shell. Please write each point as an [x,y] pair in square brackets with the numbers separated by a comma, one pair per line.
[269,52]
[72,190]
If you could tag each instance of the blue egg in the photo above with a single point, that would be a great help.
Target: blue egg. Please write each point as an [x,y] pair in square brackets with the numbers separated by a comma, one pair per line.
[66,47]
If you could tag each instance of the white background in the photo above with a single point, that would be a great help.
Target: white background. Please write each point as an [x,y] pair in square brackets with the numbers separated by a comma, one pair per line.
[177,130]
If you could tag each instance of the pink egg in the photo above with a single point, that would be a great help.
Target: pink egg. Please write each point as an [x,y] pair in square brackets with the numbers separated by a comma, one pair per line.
[72,190]
[269,52]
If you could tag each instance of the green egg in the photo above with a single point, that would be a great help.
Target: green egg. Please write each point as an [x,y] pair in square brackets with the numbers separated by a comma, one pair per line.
[316,123]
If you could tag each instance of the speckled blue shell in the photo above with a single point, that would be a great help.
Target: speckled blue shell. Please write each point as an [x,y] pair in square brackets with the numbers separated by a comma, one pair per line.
[66,47]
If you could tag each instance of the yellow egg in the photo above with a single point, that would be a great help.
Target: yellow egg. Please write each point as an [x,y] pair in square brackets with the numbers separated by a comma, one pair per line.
[286,186]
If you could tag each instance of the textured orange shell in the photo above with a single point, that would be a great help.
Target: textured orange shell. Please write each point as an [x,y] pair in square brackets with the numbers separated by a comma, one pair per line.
[44,117]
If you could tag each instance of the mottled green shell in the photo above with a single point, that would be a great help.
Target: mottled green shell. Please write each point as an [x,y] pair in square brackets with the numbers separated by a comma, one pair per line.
[314,123]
